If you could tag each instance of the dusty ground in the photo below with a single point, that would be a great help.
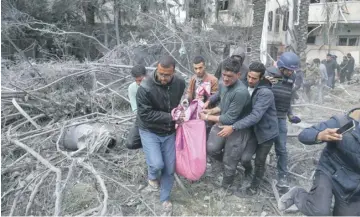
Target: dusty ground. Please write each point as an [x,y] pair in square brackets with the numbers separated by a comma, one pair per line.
[28,186]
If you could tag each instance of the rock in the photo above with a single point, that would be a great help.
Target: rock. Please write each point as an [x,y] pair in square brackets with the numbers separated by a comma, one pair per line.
[263,213]
[206,198]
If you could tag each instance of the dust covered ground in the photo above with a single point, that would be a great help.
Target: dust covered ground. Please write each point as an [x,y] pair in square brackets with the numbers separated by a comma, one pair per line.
[39,177]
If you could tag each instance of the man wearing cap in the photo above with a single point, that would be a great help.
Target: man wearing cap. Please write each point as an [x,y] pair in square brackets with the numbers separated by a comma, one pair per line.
[158,94]
[283,79]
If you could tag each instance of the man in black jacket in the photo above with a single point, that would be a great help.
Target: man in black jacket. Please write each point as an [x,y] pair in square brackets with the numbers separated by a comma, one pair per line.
[338,171]
[234,104]
[262,117]
[238,54]
[157,95]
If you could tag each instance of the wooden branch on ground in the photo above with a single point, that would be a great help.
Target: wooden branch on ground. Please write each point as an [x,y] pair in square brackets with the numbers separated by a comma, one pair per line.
[114,92]
[4,170]
[62,78]
[35,191]
[17,106]
[91,169]
[318,106]
[58,193]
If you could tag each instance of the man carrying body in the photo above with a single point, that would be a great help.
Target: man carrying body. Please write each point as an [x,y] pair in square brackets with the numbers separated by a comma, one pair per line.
[201,77]
[262,117]
[234,104]
[138,72]
[158,94]
[283,79]
[338,171]
[238,54]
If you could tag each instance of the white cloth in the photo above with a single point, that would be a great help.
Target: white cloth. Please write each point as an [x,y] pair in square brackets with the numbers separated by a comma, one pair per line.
[251,90]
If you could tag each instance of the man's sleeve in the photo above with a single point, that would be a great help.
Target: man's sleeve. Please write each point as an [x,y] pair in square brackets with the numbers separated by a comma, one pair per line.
[308,136]
[145,110]
[262,103]
[237,105]
[132,98]
[214,86]
[189,91]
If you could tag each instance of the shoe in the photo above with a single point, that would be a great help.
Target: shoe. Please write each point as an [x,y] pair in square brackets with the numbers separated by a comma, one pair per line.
[248,170]
[282,182]
[287,199]
[166,209]
[227,182]
[154,185]
[253,188]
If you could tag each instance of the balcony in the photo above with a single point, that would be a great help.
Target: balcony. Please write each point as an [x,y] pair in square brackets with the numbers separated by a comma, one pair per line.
[340,12]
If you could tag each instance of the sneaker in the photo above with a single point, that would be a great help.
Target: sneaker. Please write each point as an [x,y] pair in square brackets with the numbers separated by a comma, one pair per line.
[166,208]
[282,182]
[154,185]
[287,199]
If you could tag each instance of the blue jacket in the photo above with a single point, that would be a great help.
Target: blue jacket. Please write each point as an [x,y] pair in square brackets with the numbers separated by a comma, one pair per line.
[339,160]
[263,114]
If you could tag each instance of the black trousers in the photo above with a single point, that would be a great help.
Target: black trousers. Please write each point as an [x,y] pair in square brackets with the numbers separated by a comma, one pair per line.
[133,140]
[318,201]
[240,146]
[262,152]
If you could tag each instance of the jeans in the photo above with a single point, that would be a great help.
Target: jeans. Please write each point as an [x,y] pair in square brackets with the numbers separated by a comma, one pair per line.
[160,158]
[318,201]
[280,148]
[240,146]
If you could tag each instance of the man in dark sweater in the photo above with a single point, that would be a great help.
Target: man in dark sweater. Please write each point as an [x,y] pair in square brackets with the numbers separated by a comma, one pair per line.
[158,94]
[238,54]
[234,104]
[331,66]
[262,118]
[283,78]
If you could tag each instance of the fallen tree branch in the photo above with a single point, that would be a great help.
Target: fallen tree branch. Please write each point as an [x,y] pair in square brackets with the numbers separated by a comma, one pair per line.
[116,93]
[91,169]
[58,193]
[318,106]
[25,114]
[35,191]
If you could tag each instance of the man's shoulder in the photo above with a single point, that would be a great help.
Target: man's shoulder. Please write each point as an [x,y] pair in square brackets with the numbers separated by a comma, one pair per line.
[132,86]
[211,77]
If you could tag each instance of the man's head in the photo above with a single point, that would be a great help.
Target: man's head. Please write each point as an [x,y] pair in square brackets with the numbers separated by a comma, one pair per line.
[199,66]
[138,72]
[288,63]
[230,71]
[316,61]
[165,70]
[328,57]
[239,54]
[348,55]
[256,73]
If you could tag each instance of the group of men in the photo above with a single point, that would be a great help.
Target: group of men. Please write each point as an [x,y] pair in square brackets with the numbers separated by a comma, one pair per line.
[322,74]
[246,114]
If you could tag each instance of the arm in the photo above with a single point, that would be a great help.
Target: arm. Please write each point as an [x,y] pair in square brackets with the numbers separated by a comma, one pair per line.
[236,107]
[132,98]
[146,111]
[214,87]
[215,98]
[263,102]
[309,136]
